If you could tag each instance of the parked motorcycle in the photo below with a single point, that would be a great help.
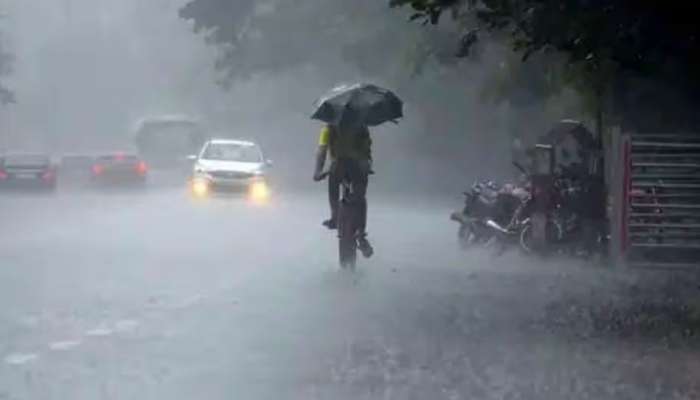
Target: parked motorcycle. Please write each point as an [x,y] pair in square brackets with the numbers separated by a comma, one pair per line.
[568,231]
[502,216]
[510,233]
[517,231]
[479,204]
[488,211]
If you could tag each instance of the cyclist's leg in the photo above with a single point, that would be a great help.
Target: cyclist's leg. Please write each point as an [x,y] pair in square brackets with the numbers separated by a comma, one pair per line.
[333,196]
[360,186]
[359,177]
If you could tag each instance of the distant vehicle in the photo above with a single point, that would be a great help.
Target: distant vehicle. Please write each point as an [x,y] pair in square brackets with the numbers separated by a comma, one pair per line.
[119,168]
[76,168]
[27,170]
[166,141]
[230,165]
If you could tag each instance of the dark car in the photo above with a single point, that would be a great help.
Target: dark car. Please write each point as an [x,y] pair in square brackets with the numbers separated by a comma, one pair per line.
[119,168]
[24,170]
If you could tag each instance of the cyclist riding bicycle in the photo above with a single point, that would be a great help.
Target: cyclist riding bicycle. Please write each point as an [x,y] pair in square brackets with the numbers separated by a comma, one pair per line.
[348,146]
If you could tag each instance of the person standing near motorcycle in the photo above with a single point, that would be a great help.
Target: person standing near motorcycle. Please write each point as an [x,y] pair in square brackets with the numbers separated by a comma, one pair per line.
[348,146]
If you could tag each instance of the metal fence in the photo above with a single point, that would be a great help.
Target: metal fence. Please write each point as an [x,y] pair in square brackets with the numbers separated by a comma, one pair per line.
[655,198]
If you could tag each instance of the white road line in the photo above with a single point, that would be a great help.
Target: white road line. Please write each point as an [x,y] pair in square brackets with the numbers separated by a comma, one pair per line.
[190,301]
[121,326]
[126,325]
[64,345]
[20,358]
[100,331]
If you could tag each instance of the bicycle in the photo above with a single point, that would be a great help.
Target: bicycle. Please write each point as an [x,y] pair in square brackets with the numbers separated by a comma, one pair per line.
[348,223]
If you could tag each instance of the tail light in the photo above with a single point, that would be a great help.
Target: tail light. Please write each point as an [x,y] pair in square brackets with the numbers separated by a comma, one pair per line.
[3,175]
[97,169]
[142,168]
[48,175]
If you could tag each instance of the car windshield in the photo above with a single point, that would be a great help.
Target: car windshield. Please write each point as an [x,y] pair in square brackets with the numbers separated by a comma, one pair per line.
[232,152]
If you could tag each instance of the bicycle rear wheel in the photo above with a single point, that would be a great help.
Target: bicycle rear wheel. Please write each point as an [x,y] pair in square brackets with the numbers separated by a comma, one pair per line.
[347,240]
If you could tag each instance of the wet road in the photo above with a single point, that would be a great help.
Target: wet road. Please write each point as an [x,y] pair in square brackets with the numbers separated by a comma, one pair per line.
[151,295]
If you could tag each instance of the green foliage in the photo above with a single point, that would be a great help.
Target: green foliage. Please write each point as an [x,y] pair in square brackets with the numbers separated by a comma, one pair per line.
[609,44]
[259,37]
[518,82]
[7,96]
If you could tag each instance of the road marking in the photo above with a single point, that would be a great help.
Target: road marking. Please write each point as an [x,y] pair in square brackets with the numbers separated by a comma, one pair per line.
[126,325]
[121,326]
[190,301]
[101,331]
[20,358]
[64,345]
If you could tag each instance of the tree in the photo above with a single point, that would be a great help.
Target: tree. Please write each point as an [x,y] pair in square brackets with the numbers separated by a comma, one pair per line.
[341,40]
[266,37]
[614,47]
[7,96]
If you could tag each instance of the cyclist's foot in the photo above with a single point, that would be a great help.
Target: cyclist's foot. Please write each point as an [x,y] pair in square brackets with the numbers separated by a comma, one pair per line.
[330,224]
[364,247]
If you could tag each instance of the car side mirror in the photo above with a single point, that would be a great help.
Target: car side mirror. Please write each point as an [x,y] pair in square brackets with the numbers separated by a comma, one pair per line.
[269,163]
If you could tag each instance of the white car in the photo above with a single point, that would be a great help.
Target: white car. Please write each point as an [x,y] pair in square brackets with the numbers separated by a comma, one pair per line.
[230,165]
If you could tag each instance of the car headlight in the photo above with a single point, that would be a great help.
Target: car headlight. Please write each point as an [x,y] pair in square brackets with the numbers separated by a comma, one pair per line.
[200,187]
[259,192]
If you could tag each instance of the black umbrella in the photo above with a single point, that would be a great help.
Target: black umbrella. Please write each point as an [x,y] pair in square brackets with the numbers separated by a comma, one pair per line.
[359,104]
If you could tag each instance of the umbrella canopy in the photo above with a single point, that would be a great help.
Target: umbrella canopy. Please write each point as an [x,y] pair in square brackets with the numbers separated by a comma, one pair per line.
[359,104]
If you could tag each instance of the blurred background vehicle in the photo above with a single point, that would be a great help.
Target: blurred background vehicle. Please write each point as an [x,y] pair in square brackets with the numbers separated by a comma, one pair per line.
[166,141]
[27,171]
[119,169]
